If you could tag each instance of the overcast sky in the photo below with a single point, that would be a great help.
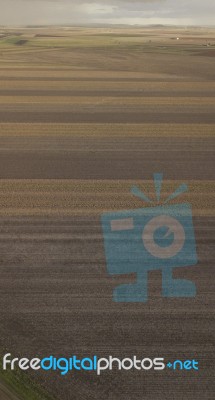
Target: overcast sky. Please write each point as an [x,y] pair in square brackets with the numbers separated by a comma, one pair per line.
[185,12]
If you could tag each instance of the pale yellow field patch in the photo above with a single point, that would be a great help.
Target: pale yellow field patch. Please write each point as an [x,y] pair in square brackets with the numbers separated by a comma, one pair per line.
[108,85]
[102,130]
[52,72]
[107,100]
[92,197]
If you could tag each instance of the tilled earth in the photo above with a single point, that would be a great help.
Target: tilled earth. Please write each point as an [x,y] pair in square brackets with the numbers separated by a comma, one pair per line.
[55,292]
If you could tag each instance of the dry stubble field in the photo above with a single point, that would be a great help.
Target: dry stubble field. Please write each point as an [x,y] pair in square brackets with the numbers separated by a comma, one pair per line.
[84,114]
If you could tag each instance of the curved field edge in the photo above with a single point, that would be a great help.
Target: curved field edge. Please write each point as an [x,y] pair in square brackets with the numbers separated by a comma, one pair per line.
[17,385]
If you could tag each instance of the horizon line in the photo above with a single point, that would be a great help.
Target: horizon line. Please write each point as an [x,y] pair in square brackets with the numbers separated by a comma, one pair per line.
[100,25]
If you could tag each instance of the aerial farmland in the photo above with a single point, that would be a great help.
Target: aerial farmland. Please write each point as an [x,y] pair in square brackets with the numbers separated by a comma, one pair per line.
[85,114]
